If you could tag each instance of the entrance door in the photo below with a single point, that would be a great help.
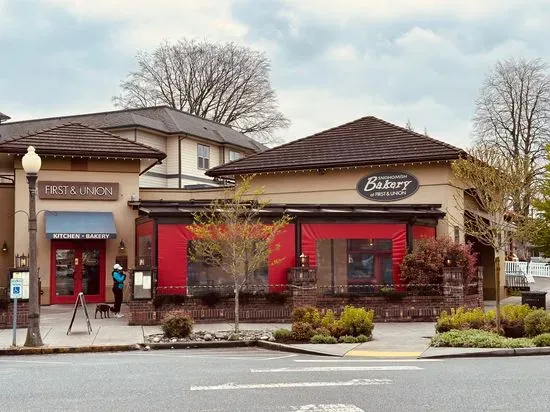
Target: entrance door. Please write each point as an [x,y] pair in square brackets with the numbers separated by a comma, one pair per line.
[76,267]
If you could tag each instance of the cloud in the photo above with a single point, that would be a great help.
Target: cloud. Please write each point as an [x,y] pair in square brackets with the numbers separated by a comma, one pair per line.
[143,24]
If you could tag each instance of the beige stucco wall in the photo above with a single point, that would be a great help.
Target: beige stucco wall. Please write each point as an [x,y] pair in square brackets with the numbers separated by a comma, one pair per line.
[126,173]
[7,202]
[339,187]
[180,195]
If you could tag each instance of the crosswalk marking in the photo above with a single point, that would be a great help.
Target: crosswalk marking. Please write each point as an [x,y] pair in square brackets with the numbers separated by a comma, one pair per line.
[381,354]
[400,360]
[233,386]
[340,369]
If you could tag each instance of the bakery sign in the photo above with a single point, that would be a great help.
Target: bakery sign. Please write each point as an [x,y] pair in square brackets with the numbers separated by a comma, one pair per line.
[388,186]
[78,190]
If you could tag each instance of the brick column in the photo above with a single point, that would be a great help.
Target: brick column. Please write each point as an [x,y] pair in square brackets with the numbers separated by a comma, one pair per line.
[480,301]
[453,288]
[302,282]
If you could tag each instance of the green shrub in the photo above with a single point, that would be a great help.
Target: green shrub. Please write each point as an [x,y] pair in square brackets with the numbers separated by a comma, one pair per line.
[328,319]
[356,321]
[177,324]
[537,322]
[542,340]
[323,339]
[282,335]
[362,339]
[347,339]
[512,318]
[302,331]
[474,338]
[307,314]
[461,319]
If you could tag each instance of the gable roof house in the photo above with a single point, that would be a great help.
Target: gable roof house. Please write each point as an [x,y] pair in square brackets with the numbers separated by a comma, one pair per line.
[181,136]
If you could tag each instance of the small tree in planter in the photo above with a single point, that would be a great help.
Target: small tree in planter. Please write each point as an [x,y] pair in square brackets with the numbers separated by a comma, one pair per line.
[422,269]
[231,235]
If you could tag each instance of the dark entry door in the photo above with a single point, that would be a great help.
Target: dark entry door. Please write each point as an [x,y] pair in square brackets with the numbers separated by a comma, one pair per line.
[77,267]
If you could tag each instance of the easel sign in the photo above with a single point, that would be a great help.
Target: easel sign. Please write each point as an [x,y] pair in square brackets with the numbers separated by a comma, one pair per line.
[80,300]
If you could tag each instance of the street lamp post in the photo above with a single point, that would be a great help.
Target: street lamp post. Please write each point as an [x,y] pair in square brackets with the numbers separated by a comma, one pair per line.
[31,164]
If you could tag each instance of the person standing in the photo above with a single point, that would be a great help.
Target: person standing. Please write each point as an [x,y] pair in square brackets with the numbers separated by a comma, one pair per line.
[118,287]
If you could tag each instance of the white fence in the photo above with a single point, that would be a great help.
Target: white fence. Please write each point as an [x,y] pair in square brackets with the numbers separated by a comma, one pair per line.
[529,270]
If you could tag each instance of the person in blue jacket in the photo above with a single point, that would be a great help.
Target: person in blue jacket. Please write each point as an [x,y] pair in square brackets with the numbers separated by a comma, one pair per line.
[118,286]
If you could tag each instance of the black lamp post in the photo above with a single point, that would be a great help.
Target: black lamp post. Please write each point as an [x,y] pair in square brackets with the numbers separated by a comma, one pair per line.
[31,164]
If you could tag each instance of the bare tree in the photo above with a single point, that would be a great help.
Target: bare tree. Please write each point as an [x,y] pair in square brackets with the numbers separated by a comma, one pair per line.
[223,82]
[493,181]
[231,235]
[409,125]
[513,113]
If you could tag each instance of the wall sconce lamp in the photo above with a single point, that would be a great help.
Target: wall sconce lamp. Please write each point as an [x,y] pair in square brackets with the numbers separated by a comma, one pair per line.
[304,260]
[5,247]
[122,246]
[23,261]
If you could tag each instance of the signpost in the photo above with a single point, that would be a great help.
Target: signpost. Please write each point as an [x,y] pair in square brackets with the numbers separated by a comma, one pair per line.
[16,292]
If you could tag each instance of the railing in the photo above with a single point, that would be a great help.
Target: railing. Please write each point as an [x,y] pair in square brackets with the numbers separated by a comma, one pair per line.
[527,269]
[517,282]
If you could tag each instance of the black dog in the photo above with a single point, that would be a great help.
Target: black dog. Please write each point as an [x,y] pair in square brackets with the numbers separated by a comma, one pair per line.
[102,308]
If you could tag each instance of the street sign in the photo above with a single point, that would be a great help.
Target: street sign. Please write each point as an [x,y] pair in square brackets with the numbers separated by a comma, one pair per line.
[16,288]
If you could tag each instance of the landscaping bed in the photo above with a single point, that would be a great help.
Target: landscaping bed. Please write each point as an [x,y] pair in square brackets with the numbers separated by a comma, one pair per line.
[521,327]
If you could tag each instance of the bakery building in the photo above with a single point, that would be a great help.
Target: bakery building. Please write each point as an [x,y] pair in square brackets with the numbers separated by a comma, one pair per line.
[122,186]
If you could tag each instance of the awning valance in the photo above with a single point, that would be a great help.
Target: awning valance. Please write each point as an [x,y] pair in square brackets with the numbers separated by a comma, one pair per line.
[80,225]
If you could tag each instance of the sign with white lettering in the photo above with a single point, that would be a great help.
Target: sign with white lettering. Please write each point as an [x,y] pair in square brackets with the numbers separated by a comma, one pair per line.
[388,186]
[78,190]
[81,236]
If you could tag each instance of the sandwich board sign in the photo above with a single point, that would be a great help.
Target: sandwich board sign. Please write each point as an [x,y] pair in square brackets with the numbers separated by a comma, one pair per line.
[80,301]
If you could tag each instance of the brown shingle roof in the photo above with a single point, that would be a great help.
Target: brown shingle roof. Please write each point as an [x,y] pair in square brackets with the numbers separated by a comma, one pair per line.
[75,139]
[159,118]
[366,141]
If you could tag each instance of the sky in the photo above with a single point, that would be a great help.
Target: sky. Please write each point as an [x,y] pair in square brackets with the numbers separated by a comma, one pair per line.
[332,61]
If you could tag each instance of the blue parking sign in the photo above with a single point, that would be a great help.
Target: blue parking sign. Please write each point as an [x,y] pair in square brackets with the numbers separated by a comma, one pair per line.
[16,288]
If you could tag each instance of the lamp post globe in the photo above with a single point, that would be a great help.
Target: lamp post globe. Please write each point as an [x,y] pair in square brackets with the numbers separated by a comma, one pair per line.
[32,163]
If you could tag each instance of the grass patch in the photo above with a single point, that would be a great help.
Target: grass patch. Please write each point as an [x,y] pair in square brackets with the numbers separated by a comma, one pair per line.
[474,338]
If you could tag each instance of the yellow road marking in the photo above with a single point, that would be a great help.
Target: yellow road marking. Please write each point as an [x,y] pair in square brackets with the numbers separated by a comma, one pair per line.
[382,354]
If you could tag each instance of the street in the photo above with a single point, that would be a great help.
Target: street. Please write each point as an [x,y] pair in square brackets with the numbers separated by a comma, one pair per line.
[258,380]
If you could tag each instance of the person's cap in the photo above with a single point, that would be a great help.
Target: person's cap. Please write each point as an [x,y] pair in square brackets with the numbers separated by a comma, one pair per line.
[117,267]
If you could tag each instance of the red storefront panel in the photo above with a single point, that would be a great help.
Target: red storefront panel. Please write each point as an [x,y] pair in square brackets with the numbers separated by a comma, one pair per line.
[423,232]
[172,257]
[396,232]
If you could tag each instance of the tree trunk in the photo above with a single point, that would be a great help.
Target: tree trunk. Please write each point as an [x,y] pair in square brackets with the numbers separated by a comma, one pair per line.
[497,292]
[237,290]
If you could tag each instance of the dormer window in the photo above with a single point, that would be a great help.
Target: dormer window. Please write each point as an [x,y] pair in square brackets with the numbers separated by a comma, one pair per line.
[203,157]
[234,155]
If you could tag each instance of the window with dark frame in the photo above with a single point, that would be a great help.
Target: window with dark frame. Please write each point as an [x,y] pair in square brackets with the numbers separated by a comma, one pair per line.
[203,157]
[370,261]
[234,155]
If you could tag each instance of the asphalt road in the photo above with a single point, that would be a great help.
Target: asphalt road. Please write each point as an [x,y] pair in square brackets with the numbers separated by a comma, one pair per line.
[256,380]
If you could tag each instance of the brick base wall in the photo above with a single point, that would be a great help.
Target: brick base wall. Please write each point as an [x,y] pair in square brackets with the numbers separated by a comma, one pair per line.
[6,315]
[409,309]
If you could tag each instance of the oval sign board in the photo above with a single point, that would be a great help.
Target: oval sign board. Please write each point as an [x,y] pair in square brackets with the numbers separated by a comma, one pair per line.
[388,186]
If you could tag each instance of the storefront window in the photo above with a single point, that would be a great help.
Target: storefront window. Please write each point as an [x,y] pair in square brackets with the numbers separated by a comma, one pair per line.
[351,264]
[203,278]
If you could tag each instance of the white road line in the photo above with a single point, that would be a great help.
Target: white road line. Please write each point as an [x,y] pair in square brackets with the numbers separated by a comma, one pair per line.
[339,407]
[35,361]
[175,355]
[365,360]
[233,386]
[339,369]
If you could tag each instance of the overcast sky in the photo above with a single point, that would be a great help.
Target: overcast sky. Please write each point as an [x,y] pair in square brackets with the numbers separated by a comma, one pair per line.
[333,60]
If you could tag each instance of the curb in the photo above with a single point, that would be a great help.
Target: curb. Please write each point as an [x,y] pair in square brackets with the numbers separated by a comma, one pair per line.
[288,348]
[45,350]
[198,345]
[493,354]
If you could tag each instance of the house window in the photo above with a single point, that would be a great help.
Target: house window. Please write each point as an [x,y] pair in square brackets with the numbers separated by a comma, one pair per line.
[203,156]
[234,155]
